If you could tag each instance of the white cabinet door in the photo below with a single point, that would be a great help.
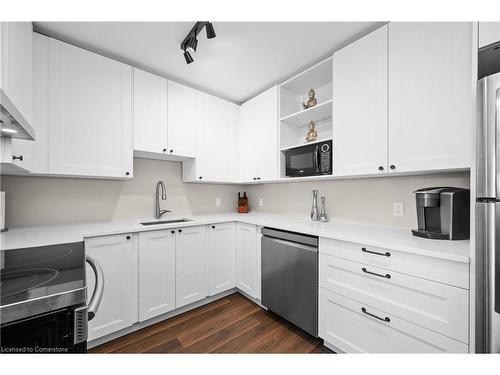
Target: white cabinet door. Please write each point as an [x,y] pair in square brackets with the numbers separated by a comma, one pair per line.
[156,273]
[430,96]
[217,158]
[489,33]
[182,120]
[191,282]
[360,106]
[246,258]
[222,250]
[90,113]
[36,153]
[16,63]
[117,256]
[150,112]
[259,128]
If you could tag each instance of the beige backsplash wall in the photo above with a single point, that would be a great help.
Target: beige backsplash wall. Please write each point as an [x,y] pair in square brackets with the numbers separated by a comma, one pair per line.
[367,200]
[51,200]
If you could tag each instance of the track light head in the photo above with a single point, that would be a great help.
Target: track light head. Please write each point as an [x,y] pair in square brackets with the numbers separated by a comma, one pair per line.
[210,31]
[192,44]
[188,57]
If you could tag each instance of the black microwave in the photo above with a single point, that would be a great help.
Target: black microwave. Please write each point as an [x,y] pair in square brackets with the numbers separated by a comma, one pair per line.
[309,160]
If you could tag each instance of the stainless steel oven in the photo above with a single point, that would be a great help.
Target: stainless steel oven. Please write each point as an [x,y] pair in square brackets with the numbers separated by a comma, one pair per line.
[43,299]
[309,160]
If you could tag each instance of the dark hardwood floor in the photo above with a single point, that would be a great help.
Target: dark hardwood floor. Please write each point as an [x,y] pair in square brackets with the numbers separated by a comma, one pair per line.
[232,324]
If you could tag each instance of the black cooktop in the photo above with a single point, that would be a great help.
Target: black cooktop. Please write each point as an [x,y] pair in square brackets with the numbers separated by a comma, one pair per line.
[37,272]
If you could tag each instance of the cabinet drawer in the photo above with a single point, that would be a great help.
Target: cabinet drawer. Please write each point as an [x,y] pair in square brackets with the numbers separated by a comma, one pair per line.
[343,324]
[441,270]
[432,305]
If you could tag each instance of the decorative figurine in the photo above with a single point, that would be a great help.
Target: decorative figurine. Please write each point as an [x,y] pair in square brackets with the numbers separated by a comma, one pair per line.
[311,102]
[312,134]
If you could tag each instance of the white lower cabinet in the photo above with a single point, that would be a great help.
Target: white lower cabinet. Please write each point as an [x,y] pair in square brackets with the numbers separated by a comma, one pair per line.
[117,256]
[440,307]
[381,300]
[246,259]
[156,273]
[222,252]
[355,327]
[191,282]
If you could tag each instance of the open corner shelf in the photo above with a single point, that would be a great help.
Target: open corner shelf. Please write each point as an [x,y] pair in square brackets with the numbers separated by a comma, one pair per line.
[319,112]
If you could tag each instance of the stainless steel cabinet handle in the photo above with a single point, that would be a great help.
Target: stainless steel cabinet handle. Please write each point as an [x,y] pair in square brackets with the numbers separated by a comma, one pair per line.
[95,300]
[387,276]
[386,254]
[386,319]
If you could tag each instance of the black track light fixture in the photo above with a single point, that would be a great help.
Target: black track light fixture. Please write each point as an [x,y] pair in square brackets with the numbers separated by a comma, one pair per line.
[190,42]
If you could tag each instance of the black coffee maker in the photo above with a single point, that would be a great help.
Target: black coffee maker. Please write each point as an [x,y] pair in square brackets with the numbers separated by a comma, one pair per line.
[443,213]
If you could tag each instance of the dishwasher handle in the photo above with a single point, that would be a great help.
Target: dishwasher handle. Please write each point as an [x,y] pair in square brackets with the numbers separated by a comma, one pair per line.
[293,244]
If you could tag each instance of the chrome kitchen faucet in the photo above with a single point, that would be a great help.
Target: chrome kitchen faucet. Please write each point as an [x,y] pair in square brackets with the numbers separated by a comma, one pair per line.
[158,212]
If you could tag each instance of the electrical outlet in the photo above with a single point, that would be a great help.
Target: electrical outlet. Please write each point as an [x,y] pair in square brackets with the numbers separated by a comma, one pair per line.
[218,202]
[397,208]
[261,202]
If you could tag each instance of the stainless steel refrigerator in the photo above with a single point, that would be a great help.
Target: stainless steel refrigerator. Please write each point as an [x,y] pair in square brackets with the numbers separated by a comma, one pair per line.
[488,215]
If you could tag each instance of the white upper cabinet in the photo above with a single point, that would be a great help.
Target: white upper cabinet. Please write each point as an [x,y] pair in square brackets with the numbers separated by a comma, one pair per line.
[489,33]
[156,273]
[217,157]
[182,120]
[90,113]
[191,262]
[430,96]
[117,256]
[16,74]
[360,106]
[150,112]
[259,126]
[222,252]
[35,154]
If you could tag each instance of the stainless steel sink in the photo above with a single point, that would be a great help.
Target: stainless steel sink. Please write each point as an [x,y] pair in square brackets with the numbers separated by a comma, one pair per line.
[166,222]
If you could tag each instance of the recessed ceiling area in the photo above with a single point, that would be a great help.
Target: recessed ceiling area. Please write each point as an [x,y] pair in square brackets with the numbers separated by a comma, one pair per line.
[243,60]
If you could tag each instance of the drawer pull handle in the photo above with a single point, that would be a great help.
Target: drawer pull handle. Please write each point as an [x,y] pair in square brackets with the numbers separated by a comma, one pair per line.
[386,319]
[387,276]
[386,254]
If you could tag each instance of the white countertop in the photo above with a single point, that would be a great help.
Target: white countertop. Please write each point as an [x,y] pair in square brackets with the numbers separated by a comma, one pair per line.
[391,238]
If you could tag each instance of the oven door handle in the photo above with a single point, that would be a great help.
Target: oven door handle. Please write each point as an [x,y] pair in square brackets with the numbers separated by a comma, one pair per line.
[95,300]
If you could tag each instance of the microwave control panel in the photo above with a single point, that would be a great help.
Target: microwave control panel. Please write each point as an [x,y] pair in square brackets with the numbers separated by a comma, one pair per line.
[325,158]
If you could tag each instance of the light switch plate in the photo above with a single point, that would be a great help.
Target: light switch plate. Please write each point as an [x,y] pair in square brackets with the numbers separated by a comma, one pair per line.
[218,202]
[397,208]
[261,202]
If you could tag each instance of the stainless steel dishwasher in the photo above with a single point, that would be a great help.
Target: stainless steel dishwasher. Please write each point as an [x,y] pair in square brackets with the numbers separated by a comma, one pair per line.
[290,277]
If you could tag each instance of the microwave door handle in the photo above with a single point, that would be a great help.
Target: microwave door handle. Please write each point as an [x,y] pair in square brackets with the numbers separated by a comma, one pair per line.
[316,158]
[95,300]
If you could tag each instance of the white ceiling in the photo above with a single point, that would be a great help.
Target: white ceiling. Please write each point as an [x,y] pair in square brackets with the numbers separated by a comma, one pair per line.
[243,60]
